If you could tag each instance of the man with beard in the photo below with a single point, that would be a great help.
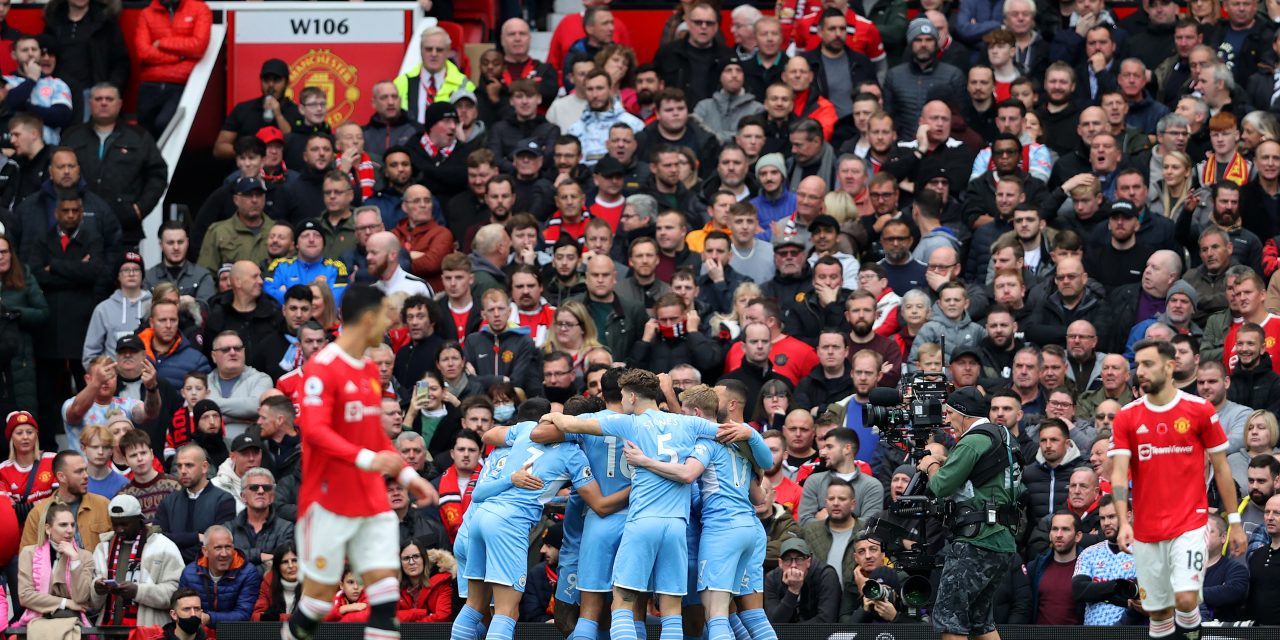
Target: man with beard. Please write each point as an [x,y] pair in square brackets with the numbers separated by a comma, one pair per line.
[1261,482]
[1253,382]
[1246,248]
[592,128]
[384,265]
[841,449]
[733,174]
[1001,342]
[1059,114]
[779,113]
[671,338]
[532,312]
[618,321]
[368,221]
[811,156]
[1005,410]
[860,315]
[562,277]
[1099,571]
[908,85]
[674,127]
[1212,384]
[838,69]
[776,200]
[304,197]
[397,177]
[1120,259]
[903,271]
[114,557]
[1009,195]
[1051,572]
[664,183]
[247,117]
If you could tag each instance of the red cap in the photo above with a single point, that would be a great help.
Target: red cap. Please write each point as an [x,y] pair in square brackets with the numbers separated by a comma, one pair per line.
[17,419]
[270,134]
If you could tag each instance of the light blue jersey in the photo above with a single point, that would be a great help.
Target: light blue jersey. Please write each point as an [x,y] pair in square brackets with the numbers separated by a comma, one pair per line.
[605,455]
[499,546]
[600,534]
[731,548]
[655,536]
[491,485]
[726,485]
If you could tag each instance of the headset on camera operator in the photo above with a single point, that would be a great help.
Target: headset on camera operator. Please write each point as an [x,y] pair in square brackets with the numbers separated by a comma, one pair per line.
[981,478]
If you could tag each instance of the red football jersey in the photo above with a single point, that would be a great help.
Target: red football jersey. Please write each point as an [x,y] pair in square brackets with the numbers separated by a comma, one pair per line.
[290,384]
[863,35]
[341,420]
[13,481]
[539,322]
[1166,448]
[1270,326]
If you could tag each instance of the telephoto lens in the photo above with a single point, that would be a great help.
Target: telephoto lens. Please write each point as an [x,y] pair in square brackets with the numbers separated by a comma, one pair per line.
[877,590]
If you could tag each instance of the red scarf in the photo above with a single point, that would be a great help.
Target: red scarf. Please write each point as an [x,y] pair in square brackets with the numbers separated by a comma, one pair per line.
[454,500]
[366,175]
[529,70]
[433,151]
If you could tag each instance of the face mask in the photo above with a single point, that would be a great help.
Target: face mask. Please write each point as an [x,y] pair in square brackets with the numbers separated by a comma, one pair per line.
[503,412]
[189,625]
[556,394]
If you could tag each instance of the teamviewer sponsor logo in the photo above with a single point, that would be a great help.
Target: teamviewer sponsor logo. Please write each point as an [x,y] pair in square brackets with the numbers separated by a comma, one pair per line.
[1146,451]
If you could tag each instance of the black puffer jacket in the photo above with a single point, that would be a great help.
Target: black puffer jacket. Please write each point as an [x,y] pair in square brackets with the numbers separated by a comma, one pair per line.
[693,348]
[1049,322]
[1258,387]
[1047,486]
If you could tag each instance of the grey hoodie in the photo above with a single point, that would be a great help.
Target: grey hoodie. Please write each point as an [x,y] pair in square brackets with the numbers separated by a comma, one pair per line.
[958,333]
[113,318]
[721,112]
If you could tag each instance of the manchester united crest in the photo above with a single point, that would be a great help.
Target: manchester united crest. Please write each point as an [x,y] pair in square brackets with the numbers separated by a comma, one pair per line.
[1181,425]
[507,357]
[327,70]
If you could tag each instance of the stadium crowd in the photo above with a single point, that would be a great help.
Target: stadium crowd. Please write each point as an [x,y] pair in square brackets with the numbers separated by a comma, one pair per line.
[818,204]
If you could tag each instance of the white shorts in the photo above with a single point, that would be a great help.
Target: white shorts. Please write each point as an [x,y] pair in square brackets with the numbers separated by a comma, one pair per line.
[1171,566]
[327,541]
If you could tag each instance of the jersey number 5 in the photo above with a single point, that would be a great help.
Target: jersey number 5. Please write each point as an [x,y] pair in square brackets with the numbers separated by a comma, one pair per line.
[663,439]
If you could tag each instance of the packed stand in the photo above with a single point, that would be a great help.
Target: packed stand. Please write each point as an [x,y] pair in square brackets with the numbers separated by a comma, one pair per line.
[780,219]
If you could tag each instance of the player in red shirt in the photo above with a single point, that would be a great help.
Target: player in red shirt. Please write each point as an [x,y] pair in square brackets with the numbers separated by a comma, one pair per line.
[343,512]
[1171,432]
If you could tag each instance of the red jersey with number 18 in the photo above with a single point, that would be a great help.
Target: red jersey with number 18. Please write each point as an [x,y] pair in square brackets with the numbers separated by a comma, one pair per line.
[341,417]
[1166,446]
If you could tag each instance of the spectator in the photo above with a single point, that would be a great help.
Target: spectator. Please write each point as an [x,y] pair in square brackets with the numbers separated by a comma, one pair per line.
[1047,479]
[841,452]
[1051,573]
[602,112]
[691,64]
[233,385]
[833,536]
[273,110]
[1262,574]
[617,321]
[227,583]
[146,484]
[842,62]
[246,454]
[304,197]
[455,485]
[106,325]
[672,338]
[1071,299]
[309,265]
[434,80]
[1100,571]
[426,584]
[257,530]
[31,154]
[93,404]
[55,577]
[1226,579]
[426,242]
[171,37]
[491,248]
[512,352]
[191,279]
[523,123]
[800,590]
[146,572]
[860,315]
[908,85]
[131,183]
[90,45]
[280,590]
[390,125]
[313,104]
[1254,382]
[72,475]
[36,92]
[422,525]
[239,237]
[832,380]
[185,515]
[97,443]
[20,294]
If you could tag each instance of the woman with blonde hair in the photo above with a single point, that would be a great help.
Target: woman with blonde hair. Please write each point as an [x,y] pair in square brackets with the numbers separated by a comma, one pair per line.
[574,333]
[323,308]
[619,61]
[1173,193]
[1261,432]
[28,468]
[728,326]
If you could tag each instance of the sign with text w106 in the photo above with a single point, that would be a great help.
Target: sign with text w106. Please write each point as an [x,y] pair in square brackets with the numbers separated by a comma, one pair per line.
[327,26]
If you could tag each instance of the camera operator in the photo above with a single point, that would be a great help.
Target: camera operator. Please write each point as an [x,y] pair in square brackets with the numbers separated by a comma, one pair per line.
[981,476]
[856,608]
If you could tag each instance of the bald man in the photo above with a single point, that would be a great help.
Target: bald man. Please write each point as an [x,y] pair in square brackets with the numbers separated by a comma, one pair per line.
[1070,300]
[383,252]
[1134,303]
[243,309]
[1075,158]
[515,39]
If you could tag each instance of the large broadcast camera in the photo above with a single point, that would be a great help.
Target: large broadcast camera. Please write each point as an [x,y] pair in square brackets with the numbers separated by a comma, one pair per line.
[908,417]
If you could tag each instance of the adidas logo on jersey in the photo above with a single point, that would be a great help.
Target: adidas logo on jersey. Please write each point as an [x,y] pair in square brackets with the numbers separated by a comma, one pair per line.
[1142,429]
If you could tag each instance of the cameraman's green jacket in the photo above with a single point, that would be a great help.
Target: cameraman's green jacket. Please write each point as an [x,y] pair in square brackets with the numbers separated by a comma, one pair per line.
[952,481]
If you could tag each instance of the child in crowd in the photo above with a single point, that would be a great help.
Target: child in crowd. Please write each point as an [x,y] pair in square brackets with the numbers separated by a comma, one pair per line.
[350,603]
[97,443]
[195,387]
[147,482]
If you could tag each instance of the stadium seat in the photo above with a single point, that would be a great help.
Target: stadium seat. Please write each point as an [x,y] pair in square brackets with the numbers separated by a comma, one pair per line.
[483,11]
[460,35]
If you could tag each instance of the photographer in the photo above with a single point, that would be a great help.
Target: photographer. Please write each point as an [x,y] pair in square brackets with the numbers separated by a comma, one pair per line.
[981,475]
[856,608]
